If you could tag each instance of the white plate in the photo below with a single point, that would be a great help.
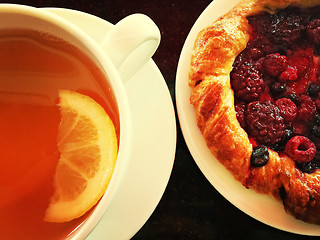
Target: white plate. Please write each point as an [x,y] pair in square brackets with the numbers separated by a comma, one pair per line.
[154,143]
[260,207]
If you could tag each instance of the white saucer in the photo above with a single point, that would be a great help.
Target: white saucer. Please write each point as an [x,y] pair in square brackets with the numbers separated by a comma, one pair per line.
[260,207]
[154,143]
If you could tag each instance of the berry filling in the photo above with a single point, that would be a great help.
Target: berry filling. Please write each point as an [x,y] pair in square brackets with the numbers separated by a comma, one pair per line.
[264,122]
[260,156]
[276,83]
[301,149]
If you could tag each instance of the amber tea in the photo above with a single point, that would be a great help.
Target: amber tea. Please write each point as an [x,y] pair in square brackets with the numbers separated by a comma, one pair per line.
[33,68]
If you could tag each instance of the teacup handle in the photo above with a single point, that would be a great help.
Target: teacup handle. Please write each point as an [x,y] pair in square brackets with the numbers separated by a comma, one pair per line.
[131,43]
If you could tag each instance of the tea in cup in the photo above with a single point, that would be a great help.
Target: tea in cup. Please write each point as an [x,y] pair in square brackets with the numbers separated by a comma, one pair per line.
[58,88]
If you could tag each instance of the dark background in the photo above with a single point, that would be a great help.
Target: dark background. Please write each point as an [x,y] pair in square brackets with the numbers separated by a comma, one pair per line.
[190,207]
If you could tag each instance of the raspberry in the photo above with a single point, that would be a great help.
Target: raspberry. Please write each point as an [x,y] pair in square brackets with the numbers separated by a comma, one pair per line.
[274,64]
[306,109]
[246,81]
[300,149]
[313,30]
[290,74]
[264,122]
[299,128]
[288,109]
[302,60]
[317,102]
[240,109]
[299,63]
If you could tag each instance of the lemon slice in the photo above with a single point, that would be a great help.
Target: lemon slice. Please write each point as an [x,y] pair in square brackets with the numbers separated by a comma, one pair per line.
[88,150]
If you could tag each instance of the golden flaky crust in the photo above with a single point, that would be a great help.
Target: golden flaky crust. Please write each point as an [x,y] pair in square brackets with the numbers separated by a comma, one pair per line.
[214,53]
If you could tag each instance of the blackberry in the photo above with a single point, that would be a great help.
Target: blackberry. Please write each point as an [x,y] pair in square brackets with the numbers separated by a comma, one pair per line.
[258,21]
[258,47]
[240,113]
[306,109]
[313,30]
[285,27]
[264,122]
[247,81]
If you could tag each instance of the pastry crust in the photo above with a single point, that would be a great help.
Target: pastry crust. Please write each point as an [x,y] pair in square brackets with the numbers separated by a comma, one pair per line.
[215,50]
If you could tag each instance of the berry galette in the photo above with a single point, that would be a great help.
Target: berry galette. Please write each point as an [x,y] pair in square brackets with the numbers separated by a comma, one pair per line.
[255,80]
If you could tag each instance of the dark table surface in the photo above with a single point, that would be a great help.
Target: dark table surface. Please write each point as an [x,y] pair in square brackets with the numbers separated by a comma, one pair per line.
[190,207]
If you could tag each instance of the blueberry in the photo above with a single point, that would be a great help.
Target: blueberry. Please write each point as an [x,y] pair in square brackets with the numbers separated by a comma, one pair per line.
[308,167]
[315,131]
[279,146]
[316,50]
[313,90]
[317,158]
[259,156]
[315,126]
[282,50]
[294,98]
[317,120]
[311,166]
[277,88]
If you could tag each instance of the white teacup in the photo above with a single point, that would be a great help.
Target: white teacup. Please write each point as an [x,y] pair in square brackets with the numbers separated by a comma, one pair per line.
[123,51]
